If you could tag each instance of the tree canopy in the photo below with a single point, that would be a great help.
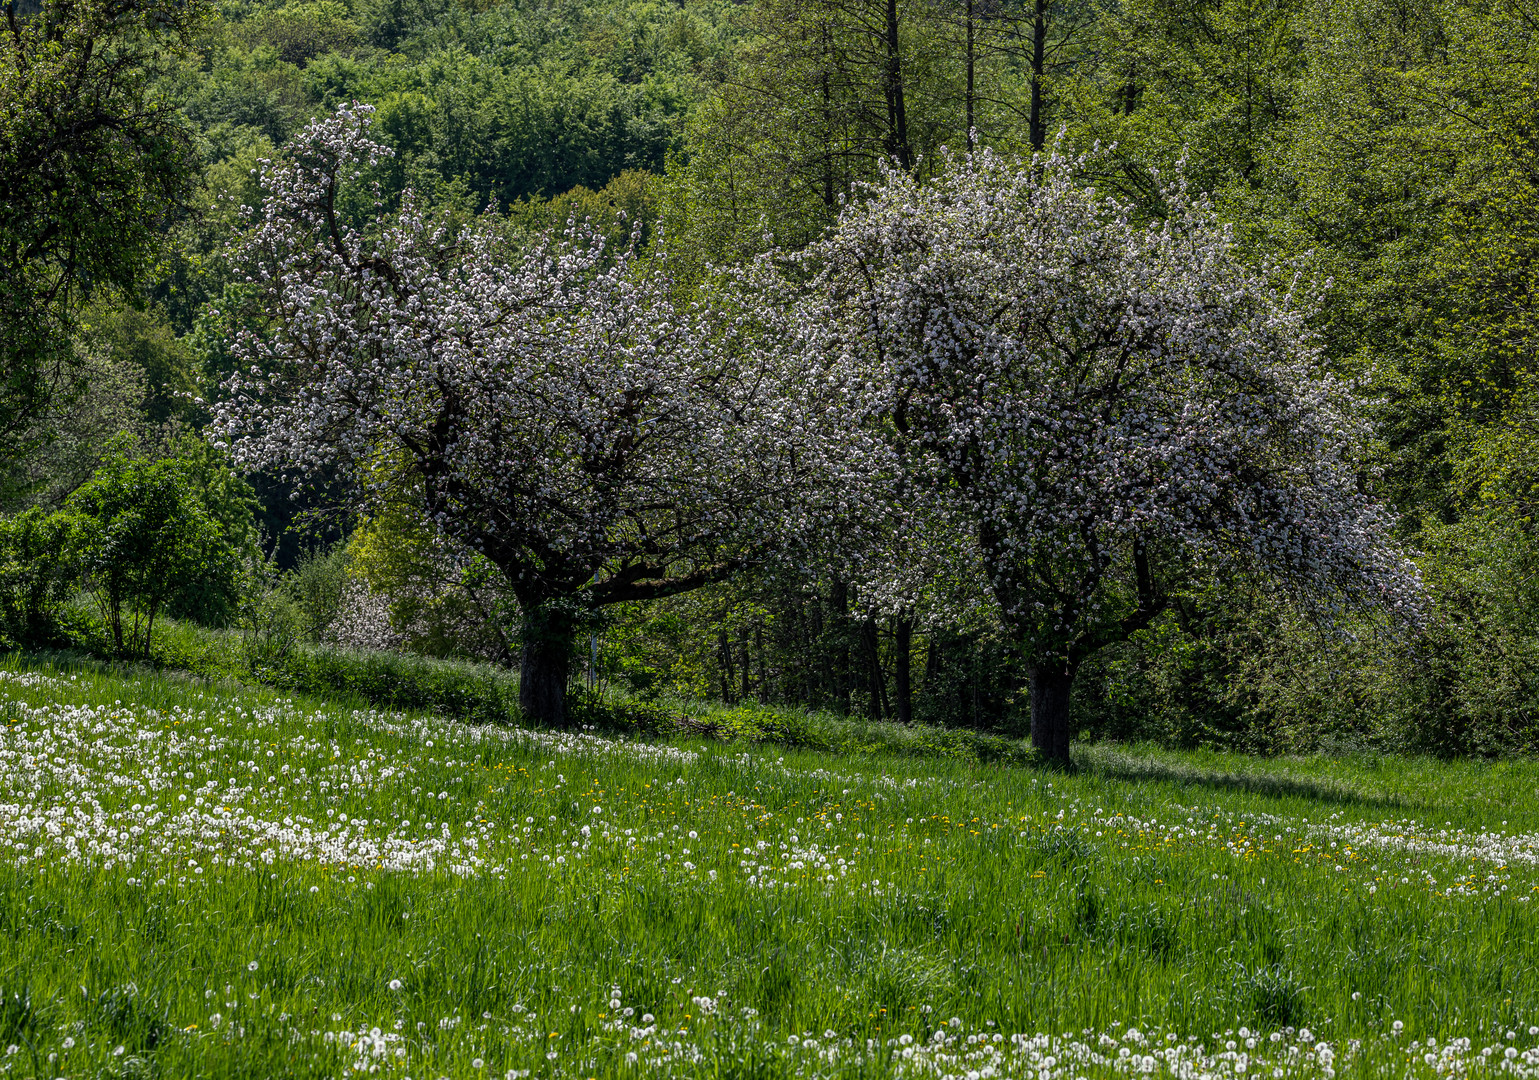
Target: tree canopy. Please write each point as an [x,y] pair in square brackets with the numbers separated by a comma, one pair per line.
[94,163]
[1105,405]
[549,404]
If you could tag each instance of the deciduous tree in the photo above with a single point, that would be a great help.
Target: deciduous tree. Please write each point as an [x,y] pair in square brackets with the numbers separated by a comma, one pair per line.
[92,164]
[1106,406]
[548,405]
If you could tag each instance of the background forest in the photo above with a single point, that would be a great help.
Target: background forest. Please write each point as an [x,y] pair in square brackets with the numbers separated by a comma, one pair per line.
[1395,145]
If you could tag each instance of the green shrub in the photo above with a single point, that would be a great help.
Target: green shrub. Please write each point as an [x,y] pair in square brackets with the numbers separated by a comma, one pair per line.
[315,587]
[473,692]
[213,598]
[271,623]
[35,574]
[142,538]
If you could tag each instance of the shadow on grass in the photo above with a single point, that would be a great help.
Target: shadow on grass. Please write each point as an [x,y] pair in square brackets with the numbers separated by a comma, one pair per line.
[1115,765]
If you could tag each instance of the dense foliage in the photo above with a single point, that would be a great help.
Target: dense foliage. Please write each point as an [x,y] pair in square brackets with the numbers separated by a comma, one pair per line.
[1388,147]
[94,164]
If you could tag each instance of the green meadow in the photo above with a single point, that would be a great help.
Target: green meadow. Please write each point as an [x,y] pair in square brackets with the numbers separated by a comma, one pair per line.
[199,879]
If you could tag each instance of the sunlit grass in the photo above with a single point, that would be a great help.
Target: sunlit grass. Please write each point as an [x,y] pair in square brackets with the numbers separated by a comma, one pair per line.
[202,880]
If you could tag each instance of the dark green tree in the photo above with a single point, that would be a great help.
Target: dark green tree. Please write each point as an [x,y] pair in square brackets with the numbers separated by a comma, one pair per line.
[35,576]
[143,538]
[93,163]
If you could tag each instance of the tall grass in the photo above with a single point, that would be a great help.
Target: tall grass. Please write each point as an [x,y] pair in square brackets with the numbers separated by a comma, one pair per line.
[180,896]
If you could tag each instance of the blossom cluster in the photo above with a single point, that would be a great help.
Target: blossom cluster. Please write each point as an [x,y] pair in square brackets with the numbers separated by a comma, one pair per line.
[1082,404]
[548,405]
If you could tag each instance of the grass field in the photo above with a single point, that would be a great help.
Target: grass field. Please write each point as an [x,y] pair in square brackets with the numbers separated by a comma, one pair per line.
[203,880]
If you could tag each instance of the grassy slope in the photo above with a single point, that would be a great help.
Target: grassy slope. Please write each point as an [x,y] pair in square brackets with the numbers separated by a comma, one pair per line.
[186,899]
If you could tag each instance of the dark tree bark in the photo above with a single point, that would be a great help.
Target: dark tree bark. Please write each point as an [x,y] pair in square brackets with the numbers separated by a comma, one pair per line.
[1037,122]
[876,678]
[897,108]
[764,680]
[1053,679]
[839,602]
[974,708]
[724,653]
[746,673]
[830,195]
[819,643]
[971,62]
[903,644]
[1051,682]
[545,664]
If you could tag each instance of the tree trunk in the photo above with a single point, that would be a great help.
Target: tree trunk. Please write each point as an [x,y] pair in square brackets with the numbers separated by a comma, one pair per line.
[1050,686]
[932,660]
[840,618]
[747,676]
[1038,123]
[972,142]
[149,628]
[724,651]
[897,108]
[876,678]
[764,679]
[902,688]
[544,666]
[830,196]
[817,641]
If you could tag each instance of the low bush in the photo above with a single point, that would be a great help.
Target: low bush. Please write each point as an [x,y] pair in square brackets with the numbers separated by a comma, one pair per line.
[476,692]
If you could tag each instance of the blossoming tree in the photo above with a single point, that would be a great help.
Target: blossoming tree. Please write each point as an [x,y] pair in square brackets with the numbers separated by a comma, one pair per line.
[1106,405]
[547,404]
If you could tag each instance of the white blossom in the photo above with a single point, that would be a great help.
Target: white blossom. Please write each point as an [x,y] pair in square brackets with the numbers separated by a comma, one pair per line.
[549,405]
[1068,410]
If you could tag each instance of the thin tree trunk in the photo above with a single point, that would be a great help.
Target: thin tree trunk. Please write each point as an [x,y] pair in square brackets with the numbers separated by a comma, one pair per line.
[544,666]
[876,678]
[975,710]
[746,674]
[1129,92]
[840,619]
[115,620]
[818,641]
[1051,682]
[829,195]
[758,634]
[1038,123]
[149,628]
[897,109]
[932,660]
[903,644]
[971,58]
[724,654]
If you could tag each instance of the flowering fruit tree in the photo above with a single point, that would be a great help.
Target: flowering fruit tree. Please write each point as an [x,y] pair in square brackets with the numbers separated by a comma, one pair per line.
[1105,405]
[547,403]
